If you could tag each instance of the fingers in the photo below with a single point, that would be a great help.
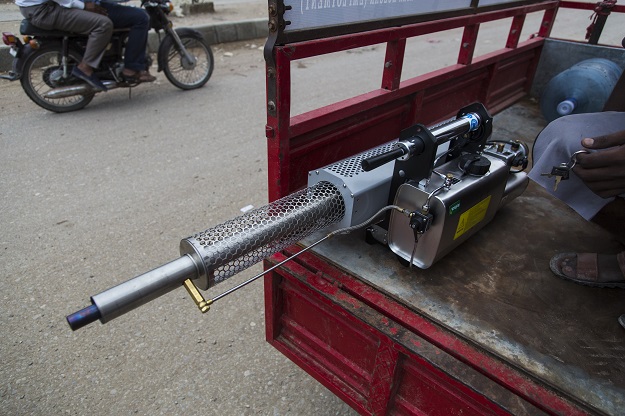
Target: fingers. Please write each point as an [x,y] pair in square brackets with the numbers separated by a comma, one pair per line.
[614,156]
[603,171]
[605,141]
[605,182]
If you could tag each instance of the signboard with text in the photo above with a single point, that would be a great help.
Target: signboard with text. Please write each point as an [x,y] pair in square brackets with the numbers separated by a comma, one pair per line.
[311,19]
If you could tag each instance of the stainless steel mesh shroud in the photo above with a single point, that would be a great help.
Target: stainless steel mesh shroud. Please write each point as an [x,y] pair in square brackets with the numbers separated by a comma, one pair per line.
[237,244]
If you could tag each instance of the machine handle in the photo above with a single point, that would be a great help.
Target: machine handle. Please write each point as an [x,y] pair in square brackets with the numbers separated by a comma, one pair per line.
[379,160]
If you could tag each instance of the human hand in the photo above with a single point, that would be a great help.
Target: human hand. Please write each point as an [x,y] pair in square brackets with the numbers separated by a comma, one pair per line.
[603,171]
[95,8]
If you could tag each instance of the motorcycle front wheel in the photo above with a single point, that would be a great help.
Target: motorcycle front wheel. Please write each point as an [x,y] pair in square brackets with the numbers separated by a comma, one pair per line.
[43,72]
[185,73]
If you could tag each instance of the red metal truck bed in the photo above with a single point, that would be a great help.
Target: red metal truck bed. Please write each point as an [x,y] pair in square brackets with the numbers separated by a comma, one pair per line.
[488,329]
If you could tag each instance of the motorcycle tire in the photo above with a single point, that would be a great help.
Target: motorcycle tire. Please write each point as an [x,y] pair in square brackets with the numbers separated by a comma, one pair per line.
[181,73]
[42,73]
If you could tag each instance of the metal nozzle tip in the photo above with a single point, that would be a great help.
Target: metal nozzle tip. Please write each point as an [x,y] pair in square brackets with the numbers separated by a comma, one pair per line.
[83,317]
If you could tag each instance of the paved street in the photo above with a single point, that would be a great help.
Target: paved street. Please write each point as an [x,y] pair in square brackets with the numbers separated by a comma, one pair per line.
[95,197]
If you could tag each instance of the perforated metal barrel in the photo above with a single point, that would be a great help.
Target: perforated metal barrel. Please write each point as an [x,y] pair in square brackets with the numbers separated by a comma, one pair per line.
[235,245]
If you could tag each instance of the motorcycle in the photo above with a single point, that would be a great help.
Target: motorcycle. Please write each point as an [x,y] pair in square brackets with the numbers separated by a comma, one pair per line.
[44,61]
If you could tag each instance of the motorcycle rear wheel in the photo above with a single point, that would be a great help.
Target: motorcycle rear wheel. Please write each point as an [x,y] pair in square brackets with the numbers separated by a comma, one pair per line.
[43,72]
[182,73]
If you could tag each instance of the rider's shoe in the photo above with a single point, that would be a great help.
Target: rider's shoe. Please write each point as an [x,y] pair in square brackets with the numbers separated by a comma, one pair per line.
[138,77]
[92,79]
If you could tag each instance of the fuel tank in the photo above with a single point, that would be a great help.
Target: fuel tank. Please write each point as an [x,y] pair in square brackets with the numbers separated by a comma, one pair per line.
[458,212]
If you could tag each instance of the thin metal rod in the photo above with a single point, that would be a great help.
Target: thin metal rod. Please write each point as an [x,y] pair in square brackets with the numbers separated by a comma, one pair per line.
[237,287]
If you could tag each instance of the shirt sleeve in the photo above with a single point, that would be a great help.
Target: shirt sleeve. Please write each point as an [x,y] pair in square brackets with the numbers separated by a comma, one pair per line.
[71,4]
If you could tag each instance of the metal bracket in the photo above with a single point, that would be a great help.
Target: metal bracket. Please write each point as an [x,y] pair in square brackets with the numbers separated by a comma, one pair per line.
[202,304]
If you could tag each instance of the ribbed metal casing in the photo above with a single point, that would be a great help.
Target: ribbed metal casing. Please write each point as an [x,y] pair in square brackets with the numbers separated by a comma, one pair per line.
[227,249]
[364,193]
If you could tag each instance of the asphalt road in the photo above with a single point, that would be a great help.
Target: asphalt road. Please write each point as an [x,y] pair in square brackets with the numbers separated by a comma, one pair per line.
[95,197]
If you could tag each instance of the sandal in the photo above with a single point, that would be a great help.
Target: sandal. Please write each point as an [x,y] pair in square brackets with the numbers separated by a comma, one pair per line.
[590,269]
[138,77]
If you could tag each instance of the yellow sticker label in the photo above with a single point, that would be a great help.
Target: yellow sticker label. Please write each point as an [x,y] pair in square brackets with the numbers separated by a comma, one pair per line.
[472,216]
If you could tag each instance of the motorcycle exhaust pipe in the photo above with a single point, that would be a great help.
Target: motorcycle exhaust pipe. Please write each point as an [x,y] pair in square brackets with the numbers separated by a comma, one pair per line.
[72,90]
[214,255]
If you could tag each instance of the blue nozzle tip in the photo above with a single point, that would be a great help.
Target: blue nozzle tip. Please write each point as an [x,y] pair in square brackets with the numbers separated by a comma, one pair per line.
[83,317]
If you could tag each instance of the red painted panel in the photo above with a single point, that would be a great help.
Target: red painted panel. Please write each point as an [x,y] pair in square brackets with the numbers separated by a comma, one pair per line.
[332,347]
[344,139]
[445,99]
[425,392]
[369,369]
[329,334]
[510,78]
[356,301]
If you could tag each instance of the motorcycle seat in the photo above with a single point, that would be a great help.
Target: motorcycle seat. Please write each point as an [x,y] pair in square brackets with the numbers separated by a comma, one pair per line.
[27,28]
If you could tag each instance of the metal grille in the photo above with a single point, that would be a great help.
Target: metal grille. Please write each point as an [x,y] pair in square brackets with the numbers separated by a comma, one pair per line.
[237,244]
[352,166]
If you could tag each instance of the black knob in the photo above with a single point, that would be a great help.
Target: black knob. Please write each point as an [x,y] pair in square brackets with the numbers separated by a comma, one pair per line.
[474,164]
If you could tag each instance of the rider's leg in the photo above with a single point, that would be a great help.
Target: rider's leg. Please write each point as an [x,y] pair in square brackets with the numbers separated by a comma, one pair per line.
[99,28]
[138,21]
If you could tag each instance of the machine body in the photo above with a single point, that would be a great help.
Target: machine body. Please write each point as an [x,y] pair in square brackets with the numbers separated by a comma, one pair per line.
[437,186]
[457,213]
[452,192]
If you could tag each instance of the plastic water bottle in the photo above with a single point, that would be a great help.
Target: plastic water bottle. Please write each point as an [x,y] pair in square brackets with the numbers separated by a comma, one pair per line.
[583,88]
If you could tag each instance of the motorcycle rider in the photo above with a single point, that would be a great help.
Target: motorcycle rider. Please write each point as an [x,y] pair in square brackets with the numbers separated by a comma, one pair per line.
[97,21]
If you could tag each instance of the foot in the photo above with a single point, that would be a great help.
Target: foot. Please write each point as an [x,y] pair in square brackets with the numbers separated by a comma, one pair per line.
[591,269]
[90,79]
[137,77]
